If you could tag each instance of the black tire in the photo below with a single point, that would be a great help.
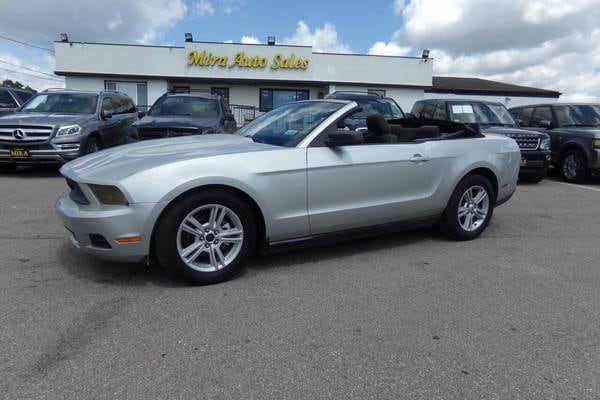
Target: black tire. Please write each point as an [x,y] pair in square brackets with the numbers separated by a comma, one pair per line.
[8,168]
[93,145]
[450,224]
[165,241]
[580,173]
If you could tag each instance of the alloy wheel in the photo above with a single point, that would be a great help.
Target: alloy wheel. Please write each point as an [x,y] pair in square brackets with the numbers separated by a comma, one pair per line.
[571,166]
[210,238]
[473,208]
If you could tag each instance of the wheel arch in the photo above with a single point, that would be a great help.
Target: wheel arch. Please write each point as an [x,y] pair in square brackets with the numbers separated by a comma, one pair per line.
[487,173]
[570,146]
[254,206]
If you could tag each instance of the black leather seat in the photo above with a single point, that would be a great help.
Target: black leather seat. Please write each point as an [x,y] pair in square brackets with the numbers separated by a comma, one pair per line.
[379,130]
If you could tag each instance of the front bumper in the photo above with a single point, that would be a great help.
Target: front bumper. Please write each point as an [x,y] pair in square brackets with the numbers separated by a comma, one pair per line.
[40,156]
[86,222]
[534,162]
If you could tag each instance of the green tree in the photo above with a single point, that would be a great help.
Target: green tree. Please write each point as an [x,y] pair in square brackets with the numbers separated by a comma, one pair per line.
[16,85]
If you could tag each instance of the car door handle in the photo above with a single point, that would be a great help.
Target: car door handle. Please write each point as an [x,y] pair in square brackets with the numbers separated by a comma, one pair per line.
[418,158]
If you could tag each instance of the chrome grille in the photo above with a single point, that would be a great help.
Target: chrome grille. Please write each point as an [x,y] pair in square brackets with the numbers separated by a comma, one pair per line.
[526,142]
[33,134]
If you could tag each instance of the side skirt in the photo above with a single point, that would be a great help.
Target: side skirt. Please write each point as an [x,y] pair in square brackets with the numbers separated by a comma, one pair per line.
[350,234]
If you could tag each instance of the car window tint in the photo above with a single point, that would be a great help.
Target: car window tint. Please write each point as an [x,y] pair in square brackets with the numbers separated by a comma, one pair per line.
[6,100]
[107,105]
[23,95]
[541,114]
[427,111]
[417,108]
[440,111]
[525,116]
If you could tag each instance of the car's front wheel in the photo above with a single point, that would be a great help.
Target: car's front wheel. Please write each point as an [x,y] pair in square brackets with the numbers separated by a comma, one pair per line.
[470,208]
[205,238]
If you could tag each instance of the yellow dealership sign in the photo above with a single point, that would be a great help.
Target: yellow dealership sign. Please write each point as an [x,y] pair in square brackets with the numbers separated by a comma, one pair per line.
[241,60]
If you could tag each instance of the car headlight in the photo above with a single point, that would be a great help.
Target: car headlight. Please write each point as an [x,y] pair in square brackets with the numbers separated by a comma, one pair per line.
[110,195]
[70,130]
[545,144]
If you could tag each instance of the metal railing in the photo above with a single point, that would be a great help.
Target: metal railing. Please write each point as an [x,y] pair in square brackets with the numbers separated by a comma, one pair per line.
[244,114]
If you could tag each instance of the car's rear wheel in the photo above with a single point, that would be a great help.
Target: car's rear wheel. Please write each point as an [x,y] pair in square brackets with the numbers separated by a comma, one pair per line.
[470,208]
[205,238]
[573,167]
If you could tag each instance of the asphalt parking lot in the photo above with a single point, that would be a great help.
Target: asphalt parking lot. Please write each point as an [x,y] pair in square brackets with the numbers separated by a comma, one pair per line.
[514,314]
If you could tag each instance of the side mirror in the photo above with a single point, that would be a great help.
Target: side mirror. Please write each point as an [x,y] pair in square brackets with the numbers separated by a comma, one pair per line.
[106,114]
[344,138]
[229,117]
[545,124]
[141,114]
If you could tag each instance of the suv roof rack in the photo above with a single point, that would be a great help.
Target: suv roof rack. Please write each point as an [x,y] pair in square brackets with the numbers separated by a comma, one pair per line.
[356,92]
[188,91]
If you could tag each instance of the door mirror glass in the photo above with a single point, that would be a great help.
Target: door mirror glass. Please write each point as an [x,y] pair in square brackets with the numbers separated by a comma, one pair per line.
[344,138]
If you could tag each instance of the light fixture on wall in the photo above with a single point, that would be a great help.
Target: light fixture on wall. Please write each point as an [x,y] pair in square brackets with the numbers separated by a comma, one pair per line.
[271,40]
[425,54]
[64,37]
[189,37]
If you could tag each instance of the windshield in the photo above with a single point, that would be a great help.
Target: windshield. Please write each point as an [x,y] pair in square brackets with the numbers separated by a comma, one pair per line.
[385,107]
[578,115]
[65,103]
[287,125]
[198,107]
[481,113]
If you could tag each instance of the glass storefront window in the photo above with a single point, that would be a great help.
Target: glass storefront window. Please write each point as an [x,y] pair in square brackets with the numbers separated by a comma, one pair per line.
[273,98]
[138,91]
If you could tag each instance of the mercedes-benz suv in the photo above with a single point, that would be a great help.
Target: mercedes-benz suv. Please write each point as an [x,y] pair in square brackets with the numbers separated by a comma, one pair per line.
[56,126]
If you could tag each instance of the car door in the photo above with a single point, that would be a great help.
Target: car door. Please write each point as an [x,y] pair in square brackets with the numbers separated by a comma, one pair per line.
[371,184]
[110,121]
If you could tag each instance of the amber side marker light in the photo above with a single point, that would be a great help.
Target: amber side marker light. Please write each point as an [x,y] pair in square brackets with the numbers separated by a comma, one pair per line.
[128,239]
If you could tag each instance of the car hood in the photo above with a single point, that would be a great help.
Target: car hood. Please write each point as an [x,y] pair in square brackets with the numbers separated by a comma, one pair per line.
[508,131]
[150,121]
[117,163]
[22,118]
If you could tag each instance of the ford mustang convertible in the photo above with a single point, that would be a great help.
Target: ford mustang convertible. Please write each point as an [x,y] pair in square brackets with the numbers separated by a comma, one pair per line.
[201,205]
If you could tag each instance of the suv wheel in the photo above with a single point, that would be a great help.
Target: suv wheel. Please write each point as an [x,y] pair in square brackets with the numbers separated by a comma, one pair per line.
[573,167]
[93,145]
[470,209]
[205,237]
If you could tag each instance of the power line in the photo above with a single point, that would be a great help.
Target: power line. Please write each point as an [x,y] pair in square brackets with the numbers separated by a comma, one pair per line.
[26,44]
[28,68]
[35,76]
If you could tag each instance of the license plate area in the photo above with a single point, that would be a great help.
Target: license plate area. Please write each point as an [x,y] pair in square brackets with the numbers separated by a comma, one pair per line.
[18,153]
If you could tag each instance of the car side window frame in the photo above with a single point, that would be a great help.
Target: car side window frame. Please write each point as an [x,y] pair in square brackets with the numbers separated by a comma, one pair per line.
[533,122]
[526,123]
[15,103]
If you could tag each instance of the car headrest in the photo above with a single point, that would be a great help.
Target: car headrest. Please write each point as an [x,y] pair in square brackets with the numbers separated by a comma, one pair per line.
[377,124]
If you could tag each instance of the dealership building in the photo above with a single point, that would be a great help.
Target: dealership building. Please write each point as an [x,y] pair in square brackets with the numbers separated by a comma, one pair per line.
[255,77]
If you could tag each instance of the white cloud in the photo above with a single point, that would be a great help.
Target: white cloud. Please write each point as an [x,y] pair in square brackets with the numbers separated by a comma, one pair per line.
[323,39]
[398,6]
[231,6]
[250,40]
[389,49]
[91,20]
[204,7]
[553,44]
[17,69]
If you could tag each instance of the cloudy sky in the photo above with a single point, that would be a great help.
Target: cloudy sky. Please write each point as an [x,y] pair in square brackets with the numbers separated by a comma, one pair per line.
[553,44]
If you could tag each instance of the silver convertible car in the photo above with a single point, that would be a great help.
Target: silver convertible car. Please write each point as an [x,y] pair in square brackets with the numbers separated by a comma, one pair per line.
[201,205]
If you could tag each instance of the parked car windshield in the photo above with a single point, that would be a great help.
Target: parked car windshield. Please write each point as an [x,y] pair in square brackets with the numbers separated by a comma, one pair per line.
[287,125]
[578,115]
[385,107]
[65,103]
[198,107]
[481,113]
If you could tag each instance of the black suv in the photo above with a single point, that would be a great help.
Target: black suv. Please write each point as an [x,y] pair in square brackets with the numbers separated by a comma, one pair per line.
[494,118]
[56,126]
[371,103]
[182,114]
[574,130]
[12,99]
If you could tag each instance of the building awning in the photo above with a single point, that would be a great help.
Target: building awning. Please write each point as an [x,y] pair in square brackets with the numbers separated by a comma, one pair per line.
[477,86]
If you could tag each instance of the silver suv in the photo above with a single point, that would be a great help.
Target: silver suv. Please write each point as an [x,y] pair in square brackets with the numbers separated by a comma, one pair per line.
[56,126]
